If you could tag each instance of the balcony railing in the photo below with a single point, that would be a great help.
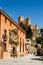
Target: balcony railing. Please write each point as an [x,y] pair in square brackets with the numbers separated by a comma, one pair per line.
[4,37]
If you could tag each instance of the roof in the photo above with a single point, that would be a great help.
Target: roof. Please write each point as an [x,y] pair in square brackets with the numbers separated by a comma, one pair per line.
[12,20]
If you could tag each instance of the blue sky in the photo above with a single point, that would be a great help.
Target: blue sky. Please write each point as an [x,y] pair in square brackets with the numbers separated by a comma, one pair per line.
[26,8]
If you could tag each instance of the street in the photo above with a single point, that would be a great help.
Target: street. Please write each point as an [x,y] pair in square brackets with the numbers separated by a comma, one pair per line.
[26,60]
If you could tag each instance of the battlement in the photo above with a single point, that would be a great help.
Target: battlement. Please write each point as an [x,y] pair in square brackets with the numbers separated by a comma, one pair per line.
[20,18]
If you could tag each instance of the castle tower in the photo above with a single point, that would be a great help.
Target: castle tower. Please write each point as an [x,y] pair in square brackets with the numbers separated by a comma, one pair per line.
[27,22]
[20,19]
[36,27]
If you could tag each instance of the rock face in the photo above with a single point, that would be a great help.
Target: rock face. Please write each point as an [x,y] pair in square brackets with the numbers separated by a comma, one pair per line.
[42,50]
[32,49]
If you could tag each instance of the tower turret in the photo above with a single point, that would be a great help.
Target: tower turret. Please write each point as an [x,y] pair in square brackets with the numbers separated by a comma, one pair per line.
[20,19]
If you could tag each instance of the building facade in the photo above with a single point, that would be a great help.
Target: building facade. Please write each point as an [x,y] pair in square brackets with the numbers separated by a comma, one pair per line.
[12,37]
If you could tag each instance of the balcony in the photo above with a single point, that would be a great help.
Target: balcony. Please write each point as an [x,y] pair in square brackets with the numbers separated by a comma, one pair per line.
[4,37]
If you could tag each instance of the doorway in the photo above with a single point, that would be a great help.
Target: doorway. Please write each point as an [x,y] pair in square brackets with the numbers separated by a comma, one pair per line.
[13,51]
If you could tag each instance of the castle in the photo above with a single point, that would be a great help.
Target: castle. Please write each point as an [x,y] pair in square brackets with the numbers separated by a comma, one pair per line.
[26,23]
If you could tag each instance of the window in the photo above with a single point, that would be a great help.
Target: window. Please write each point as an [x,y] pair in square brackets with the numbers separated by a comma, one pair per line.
[23,45]
[4,32]
[10,40]
[4,46]
[20,44]
[5,36]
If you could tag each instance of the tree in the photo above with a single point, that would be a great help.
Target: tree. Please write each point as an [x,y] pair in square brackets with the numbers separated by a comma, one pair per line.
[41,31]
[23,26]
[39,40]
[29,33]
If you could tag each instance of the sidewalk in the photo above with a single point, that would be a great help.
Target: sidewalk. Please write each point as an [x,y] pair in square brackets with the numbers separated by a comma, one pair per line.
[26,60]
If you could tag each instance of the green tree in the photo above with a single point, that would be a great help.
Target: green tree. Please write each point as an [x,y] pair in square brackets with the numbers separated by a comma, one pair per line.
[29,33]
[39,40]
[23,26]
[41,31]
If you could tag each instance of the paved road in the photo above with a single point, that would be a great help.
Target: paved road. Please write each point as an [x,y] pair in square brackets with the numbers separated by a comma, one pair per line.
[26,60]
